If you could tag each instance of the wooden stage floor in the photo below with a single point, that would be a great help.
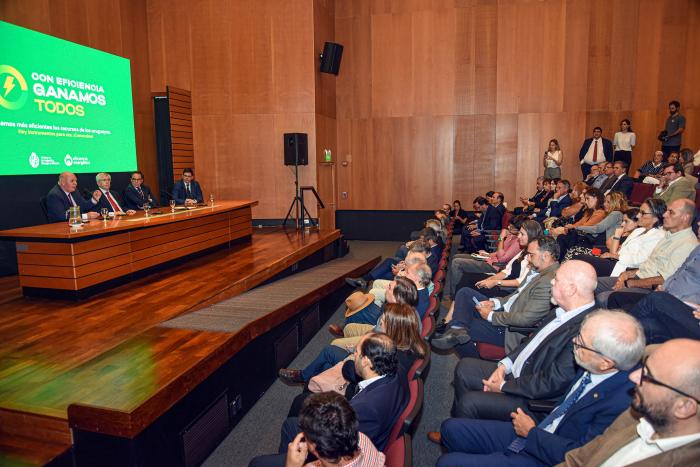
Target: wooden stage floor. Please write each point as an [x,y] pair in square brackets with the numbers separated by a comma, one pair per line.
[54,353]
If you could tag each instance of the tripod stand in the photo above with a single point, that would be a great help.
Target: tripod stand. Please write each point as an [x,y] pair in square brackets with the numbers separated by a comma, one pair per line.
[298,204]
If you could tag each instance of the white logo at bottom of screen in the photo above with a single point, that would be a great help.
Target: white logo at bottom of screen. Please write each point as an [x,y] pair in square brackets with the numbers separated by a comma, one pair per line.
[34,160]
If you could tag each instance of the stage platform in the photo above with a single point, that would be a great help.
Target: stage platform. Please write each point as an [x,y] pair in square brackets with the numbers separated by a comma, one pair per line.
[111,365]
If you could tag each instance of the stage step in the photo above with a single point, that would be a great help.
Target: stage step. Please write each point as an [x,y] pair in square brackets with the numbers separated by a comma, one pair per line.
[27,439]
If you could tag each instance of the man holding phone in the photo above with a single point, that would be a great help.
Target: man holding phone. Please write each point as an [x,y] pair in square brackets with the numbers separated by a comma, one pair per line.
[476,318]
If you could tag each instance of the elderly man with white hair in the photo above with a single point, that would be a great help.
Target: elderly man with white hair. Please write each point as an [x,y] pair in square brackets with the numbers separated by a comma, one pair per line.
[609,345]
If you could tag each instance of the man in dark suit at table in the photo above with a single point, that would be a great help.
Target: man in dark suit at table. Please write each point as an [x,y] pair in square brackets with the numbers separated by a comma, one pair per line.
[542,367]
[136,194]
[187,190]
[65,195]
[594,151]
[109,199]
[610,344]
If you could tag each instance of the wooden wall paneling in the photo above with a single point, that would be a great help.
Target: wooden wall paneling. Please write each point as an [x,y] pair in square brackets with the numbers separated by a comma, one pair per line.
[464,62]
[170,44]
[672,51]
[463,160]
[324,31]
[529,157]
[326,174]
[645,80]
[485,46]
[623,53]
[484,150]
[379,170]
[442,65]
[576,55]
[551,82]
[180,105]
[392,65]
[691,91]
[506,156]
[509,63]
[443,150]
[599,64]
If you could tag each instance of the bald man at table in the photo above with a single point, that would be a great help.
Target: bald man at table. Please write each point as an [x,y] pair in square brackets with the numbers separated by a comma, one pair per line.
[65,195]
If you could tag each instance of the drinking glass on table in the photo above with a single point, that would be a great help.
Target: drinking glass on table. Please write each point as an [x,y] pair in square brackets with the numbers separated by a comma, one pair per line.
[146,207]
[172,205]
[211,199]
[105,213]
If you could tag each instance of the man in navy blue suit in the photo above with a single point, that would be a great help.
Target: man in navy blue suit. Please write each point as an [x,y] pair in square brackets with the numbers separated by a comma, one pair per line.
[473,237]
[65,195]
[187,190]
[136,194]
[382,396]
[594,151]
[620,182]
[609,345]
[559,201]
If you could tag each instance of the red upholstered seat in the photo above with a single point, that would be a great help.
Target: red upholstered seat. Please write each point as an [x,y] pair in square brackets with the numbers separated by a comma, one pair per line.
[640,192]
[490,351]
[407,417]
[399,453]
[428,325]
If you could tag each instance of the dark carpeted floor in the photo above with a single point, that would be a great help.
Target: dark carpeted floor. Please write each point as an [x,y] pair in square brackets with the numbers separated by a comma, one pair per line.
[258,432]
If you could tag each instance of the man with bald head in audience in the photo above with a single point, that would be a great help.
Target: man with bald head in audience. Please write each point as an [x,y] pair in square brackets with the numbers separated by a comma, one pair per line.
[542,367]
[65,195]
[667,397]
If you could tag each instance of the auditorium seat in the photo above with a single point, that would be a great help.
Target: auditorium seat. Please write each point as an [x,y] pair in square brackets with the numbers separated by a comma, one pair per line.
[640,192]
[399,453]
[420,366]
[410,413]
[428,324]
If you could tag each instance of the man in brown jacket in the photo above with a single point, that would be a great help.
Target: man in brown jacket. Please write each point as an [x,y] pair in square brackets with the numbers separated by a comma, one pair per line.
[667,397]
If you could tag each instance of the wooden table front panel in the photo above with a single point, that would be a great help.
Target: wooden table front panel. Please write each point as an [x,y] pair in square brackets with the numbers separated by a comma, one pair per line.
[81,264]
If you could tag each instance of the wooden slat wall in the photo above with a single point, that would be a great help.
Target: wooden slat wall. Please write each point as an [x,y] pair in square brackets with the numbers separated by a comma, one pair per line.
[447,99]
[180,105]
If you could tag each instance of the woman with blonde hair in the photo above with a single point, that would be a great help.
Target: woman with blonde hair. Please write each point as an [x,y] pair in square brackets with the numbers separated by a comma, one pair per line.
[581,239]
[552,160]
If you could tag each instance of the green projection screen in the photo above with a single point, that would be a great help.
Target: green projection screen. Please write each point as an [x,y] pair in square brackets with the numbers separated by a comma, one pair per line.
[63,106]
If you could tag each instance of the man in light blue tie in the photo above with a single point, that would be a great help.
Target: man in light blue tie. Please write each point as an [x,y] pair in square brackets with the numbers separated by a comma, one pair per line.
[609,344]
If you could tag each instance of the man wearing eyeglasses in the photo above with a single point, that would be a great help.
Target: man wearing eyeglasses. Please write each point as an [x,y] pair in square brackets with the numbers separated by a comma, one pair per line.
[677,185]
[667,396]
[609,344]
[541,367]
[136,194]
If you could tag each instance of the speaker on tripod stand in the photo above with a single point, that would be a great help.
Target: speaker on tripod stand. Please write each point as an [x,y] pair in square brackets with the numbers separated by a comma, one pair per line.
[296,153]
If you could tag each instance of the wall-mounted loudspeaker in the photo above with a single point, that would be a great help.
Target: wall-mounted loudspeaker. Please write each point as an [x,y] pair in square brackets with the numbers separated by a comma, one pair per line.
[330,60]
[296,149]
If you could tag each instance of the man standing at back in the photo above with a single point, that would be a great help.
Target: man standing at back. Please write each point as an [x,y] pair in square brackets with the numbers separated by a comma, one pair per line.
[672,135]
[594,151]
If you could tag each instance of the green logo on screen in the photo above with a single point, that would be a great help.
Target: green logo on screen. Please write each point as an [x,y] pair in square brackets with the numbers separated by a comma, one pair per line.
[14,91]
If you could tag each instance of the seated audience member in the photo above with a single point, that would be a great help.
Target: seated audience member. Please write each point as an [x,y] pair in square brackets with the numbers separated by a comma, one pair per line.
[65,195]
[437,226]
[542,367]
[610,344]
[592,212]
[383,394]
[651,168]
[574,212]
[187,190]
[668,255]
[529,203]
[685,158]
[475,318]
[507,279]
[400,322]
[591,177]
[638,245]
[595,150]
[508,247]
[329,431]
[460,216]
[621,182]
[364,312]
[415,256]
[473,237]
[666,396]
[582,238]
[559,201]
[606,173]
[674,309]
[677,186]
[109,199]
[136,194]
[497,202]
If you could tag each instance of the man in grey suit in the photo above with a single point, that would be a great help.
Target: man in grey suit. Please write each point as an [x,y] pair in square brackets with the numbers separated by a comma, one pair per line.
[479,319]
[677,185]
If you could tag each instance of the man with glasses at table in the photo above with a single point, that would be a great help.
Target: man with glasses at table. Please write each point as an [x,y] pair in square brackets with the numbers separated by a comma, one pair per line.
[609,344]
[109,199]
[677,186]
[667,396]
[136,194]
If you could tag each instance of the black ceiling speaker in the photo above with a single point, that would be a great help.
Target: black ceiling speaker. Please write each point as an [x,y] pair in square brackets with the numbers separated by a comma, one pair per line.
[330,58]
